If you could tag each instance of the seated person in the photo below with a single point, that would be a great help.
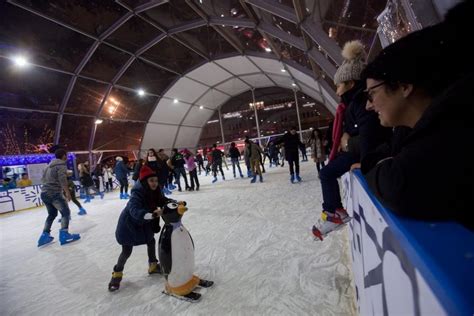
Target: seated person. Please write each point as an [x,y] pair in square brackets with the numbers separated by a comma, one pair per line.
[421,83]
[24,181]
[8,184]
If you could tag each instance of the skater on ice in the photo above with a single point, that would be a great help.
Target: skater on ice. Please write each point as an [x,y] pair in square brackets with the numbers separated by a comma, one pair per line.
[138,223]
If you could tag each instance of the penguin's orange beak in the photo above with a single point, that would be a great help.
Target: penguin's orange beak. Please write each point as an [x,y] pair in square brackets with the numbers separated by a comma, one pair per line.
[182,209]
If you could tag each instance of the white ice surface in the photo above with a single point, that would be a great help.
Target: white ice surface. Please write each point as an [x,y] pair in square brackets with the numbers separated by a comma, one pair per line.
[253,240]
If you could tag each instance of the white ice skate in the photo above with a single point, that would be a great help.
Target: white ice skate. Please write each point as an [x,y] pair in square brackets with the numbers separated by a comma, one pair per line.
[330,222]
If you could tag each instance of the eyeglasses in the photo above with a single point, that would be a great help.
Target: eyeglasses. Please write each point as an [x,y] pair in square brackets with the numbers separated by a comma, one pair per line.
[367,91]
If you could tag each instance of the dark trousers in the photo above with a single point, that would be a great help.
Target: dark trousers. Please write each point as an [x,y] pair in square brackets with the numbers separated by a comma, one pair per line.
[127,251]
[320,165]
[201,166]
[123,185]
[108,185]
[194,178]
[178,172]
[329,174]
[217,165]
[73,198]
[294,164]
[55,202]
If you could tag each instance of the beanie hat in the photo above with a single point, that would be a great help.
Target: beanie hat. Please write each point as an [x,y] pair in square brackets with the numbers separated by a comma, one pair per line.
[146,172]
[354,62]
[118,158]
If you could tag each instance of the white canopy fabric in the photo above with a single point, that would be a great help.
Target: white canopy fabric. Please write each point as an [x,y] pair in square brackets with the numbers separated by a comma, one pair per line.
[187,105]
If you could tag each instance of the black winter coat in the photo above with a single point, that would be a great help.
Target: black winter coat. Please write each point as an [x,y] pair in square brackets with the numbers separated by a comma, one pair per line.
[363,126]
[416,179]
[132,228]
[292,144]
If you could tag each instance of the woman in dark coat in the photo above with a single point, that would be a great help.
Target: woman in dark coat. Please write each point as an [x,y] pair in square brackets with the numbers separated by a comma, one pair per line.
[139,222]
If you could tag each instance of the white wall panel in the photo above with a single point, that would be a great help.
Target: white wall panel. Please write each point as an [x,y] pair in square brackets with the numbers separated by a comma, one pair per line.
[258,81]
[209,73]
[197,116]
[238,65]
[169,112]
[213,99]
[269,65]
[158,136]
[188,137]
[233,87]
[186,90]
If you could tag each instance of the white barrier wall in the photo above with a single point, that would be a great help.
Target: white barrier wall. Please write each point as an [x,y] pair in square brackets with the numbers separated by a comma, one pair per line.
[387,283]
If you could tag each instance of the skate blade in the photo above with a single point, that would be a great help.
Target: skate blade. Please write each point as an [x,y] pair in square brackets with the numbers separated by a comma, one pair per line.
[205,284]
[184,298]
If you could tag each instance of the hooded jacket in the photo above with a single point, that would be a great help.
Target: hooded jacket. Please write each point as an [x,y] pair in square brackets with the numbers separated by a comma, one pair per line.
[54,177]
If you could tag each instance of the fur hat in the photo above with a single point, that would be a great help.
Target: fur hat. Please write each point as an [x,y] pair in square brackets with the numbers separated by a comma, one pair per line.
[146,172]
[354,62]
[118,158]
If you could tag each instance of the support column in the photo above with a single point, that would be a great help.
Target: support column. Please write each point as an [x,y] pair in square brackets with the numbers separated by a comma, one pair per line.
[256,116]
[222,127]
[298,115]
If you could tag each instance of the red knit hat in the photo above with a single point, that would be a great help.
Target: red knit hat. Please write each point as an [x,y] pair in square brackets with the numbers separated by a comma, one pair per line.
[146,172]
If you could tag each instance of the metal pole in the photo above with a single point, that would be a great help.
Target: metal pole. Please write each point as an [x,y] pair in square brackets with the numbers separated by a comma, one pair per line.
[256,116]
[222,127]
[298,115]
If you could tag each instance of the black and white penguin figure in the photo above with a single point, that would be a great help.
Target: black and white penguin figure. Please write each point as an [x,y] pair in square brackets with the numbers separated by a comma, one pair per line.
[176,253]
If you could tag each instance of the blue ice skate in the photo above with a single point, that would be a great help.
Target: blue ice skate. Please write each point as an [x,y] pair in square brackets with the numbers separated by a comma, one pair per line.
[292,179]
[214,180]
[65,237]
[298,178]
[44,239]
[82,211]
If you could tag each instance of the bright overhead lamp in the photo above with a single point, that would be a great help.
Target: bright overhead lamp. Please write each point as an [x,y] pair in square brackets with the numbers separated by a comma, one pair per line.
[175,101]
[201,107]
[141,92]
[20,61]
[283,70]
[268,49]
[98,121]
[293,84]
[222,15]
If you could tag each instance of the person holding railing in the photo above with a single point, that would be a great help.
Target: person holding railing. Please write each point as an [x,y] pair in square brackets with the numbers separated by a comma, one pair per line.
[423,82]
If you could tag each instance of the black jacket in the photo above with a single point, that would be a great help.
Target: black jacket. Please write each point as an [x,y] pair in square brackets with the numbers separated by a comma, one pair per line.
[292,144]
[177,160]
[363,126]
[234,152]
[417,179]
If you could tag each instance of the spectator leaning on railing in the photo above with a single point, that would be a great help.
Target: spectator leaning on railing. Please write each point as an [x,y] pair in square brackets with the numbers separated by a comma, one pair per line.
[425,82]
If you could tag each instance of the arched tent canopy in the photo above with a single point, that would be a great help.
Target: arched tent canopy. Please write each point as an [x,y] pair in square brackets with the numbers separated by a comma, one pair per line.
[188,104]
[91,58]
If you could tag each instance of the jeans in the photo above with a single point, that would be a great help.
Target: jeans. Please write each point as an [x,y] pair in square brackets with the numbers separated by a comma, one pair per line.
[55,202]
[235,162]
[329,174]
[181,172]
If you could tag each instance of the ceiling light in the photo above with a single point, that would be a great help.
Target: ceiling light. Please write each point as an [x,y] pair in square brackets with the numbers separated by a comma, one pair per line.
[283,70]
[141,92]
[175,101]
[111,109]
[268,50]
[222,15]
[201,107]
[98,121]
[20,61]
[293,84]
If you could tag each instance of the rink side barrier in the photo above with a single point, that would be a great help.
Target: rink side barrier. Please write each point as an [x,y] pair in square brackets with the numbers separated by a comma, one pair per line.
[403,266]
[29,197]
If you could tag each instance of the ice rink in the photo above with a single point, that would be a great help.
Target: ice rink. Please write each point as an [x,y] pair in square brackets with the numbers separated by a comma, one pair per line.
[253,240]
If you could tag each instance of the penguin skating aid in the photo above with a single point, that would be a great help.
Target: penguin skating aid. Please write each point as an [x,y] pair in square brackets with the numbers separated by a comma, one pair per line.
[176,253]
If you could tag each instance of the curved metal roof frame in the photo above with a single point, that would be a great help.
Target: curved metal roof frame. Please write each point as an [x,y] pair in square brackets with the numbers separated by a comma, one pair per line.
[325,56]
